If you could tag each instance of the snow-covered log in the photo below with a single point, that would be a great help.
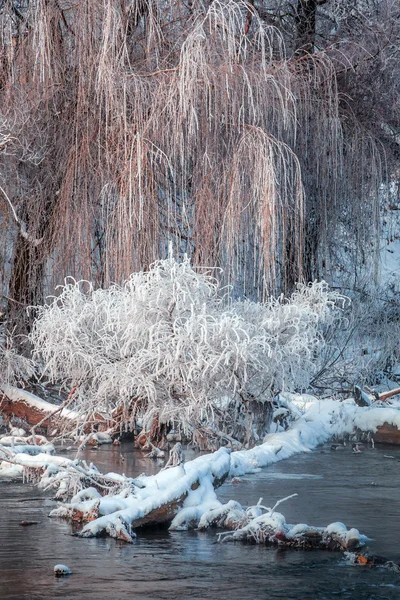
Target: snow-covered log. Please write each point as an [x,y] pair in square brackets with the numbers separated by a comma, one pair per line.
[36,412]
[163,496]
[15,402]
[270,527]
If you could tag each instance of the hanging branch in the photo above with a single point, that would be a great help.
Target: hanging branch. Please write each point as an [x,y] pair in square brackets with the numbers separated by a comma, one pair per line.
[23,230]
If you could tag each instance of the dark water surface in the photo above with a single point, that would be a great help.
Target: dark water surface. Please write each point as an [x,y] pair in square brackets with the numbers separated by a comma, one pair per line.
[360,490]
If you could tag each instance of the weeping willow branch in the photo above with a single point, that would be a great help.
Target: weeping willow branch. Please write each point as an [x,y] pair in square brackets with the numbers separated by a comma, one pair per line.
[21,224]
[133,127]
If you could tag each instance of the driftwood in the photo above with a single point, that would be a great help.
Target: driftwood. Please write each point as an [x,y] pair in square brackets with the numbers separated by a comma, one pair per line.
[366,396]
[313,540]
[262,525]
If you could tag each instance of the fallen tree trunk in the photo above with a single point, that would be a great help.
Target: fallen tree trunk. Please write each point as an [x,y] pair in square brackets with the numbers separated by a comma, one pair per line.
[31,409]
[163,496]
[182,494]
[35,412]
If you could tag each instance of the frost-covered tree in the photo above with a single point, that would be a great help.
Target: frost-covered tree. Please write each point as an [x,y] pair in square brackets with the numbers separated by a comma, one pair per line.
[171,348]
[15,369]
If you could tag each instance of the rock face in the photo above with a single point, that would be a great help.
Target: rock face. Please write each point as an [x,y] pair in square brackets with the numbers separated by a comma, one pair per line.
[387,434]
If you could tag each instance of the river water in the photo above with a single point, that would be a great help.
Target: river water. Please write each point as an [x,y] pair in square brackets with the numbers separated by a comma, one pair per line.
[360,490]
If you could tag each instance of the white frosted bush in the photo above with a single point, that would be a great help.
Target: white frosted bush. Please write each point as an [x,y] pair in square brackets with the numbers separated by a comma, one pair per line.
[14,368]
[169,344]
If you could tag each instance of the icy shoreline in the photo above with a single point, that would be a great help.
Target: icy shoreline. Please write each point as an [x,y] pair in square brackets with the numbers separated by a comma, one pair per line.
[318,422]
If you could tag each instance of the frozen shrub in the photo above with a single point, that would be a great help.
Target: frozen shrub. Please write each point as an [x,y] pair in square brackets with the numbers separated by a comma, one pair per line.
[170,345]
[14,368]
[365,349]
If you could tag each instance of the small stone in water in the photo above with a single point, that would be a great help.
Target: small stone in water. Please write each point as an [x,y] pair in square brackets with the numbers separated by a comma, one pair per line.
[61,570]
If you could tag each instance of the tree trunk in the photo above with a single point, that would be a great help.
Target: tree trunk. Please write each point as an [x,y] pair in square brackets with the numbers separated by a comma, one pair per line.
[26,286]
[312,237]
[32,410]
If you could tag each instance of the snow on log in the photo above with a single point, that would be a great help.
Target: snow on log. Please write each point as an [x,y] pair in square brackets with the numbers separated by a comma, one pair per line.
[15,402]
[163,496]
[270,528]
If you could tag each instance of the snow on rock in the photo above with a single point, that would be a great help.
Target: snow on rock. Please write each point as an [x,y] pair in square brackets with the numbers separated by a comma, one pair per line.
[61,570]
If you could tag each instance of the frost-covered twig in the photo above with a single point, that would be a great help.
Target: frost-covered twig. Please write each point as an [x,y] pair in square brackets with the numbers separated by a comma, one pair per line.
[15,368]
[176,456]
